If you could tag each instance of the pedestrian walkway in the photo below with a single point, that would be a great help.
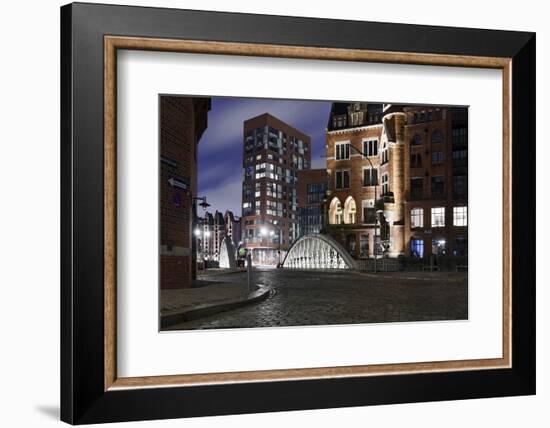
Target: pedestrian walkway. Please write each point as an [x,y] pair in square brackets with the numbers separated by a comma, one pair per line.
[206,298]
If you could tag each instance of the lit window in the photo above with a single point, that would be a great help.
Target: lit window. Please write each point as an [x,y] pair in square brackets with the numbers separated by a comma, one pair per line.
[417,217]
[342,151]
[417,248]
[438,217]
[460,216]
[335,212]
[349,210]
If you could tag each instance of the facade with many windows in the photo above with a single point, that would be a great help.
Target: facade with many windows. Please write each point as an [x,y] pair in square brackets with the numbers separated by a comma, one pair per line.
[312,188]
[398,181]
[273,154]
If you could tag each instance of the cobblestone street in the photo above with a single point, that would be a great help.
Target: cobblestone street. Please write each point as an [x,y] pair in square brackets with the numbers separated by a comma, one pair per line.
[343,297]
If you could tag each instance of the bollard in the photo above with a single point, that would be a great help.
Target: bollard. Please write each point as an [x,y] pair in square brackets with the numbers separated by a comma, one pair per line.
[249,269]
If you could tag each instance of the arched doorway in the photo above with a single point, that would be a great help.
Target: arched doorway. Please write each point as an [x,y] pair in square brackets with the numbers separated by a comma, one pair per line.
[335,211]
[350,210]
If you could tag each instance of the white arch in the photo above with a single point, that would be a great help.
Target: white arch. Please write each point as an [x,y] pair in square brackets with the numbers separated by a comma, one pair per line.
[227,254]
[335,211]
[350,210]
[318,251]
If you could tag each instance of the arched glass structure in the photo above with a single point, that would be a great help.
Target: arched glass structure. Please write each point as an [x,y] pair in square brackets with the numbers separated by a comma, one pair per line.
[318,251]
[227,254]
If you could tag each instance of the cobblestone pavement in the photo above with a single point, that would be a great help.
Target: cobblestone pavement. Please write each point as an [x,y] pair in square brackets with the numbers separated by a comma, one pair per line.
[323,298]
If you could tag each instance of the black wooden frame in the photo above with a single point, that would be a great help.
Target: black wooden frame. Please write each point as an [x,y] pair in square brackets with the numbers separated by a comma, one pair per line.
[83,400]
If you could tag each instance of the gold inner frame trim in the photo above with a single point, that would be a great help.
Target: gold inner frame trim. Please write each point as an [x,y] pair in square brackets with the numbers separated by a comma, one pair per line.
[113,43]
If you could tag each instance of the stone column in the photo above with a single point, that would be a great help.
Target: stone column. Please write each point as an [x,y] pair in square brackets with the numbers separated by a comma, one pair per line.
[396,121]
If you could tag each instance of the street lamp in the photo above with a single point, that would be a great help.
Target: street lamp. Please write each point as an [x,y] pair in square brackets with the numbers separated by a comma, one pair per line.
[204,205]
[375,201]
[264,231]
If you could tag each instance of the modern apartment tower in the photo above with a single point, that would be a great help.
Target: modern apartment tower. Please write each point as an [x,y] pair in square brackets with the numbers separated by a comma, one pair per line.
[273,153]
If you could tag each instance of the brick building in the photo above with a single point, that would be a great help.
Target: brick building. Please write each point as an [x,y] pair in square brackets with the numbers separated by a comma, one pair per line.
[233,228]
[273,153]
[210,231]
[311,188]
[182,123]
[397,179]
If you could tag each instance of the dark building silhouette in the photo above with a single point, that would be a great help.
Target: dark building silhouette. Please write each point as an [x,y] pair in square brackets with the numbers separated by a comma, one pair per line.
[182,123]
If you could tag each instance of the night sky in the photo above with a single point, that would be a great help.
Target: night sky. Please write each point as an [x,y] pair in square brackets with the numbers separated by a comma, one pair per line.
[221,146]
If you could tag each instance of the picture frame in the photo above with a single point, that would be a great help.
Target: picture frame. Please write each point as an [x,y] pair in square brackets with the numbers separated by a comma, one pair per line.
[91,391]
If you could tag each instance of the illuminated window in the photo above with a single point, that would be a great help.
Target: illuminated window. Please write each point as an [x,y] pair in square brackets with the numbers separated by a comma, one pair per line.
[417,217]
[335,212]
[460,216]
[417,248]
[438,217]
[349,210]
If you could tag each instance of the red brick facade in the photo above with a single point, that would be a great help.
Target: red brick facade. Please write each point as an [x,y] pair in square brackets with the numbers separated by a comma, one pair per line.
[413,151]
[182,121]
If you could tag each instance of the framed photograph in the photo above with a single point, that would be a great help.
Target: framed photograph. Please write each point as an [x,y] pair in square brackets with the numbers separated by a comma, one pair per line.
[267,213]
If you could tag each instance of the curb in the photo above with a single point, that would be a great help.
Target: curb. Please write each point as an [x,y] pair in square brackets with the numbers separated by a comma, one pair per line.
[384,275]
[206,310]
[221,273]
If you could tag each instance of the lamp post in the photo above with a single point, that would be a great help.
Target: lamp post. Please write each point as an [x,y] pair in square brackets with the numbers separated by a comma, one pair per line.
[204,205]
[264,231]
[200,235]
[375,200]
